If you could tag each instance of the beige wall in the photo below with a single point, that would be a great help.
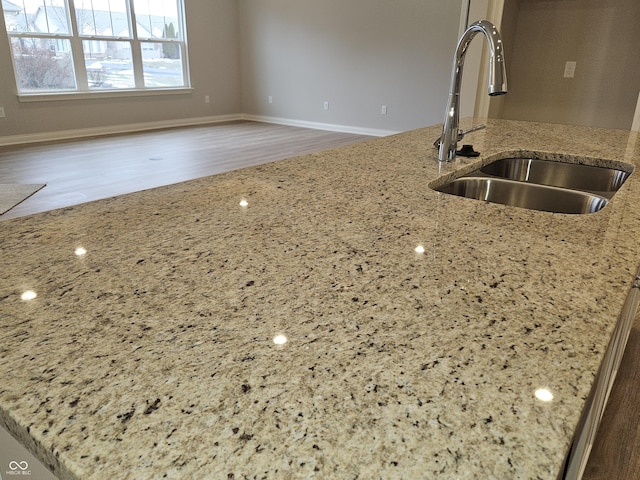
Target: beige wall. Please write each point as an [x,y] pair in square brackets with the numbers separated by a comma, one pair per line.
[358,55]
[362,54]
[213,51]
[602,36]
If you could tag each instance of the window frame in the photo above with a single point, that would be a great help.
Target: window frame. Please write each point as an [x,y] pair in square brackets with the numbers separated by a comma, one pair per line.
[76,39]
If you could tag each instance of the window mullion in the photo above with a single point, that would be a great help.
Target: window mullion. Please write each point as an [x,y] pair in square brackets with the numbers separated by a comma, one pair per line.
[136,49]
[183,43]
[76,49]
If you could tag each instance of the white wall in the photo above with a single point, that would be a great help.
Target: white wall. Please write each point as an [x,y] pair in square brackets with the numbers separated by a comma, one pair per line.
[356,54]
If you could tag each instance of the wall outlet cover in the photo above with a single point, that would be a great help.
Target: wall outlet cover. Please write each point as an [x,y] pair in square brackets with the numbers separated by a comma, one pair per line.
[569,69]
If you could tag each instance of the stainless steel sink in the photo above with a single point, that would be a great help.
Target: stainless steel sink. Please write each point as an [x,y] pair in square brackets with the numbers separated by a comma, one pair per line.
[599,180]
[525,195]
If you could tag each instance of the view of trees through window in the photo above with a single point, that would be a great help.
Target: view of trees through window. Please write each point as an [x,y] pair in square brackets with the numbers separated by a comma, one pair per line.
[92,45]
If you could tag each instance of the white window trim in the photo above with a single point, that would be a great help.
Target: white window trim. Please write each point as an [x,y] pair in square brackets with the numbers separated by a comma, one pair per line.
[82,87]
[93,94]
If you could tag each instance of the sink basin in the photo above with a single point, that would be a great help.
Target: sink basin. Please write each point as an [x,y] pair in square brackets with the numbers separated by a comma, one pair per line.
[525,195]
[599,180]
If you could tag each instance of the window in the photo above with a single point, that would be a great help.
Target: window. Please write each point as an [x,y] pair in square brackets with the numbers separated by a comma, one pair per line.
[96,45]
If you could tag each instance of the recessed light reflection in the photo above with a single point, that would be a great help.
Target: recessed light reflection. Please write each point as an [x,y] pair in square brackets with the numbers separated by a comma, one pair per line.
[80,251]
[28,295]
[244,203]
[279,339]
[544,395]
[419,249]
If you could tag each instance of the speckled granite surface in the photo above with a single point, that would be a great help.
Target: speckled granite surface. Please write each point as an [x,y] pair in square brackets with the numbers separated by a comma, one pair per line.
[152,355]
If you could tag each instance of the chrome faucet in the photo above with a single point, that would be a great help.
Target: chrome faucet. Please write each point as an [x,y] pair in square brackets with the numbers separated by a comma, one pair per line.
[497,83]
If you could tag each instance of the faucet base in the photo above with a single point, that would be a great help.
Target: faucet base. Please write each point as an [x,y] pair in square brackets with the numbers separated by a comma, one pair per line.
[467,151]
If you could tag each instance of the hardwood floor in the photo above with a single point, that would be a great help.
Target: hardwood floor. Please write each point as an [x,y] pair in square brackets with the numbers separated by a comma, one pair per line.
[91,169]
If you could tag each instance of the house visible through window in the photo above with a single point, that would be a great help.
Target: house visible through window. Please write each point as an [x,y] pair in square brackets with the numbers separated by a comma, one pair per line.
[96,45]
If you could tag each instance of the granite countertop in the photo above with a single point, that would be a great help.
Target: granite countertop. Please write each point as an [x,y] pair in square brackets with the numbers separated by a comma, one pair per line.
[152,355]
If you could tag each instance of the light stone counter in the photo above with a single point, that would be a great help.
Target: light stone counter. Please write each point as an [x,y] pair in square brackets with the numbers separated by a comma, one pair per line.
[153,355]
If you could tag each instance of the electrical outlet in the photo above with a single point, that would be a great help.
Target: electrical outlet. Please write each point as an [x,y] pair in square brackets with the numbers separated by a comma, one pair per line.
[326,105]
[383,110]
[207,99]
[569,69]
[2,112]
[270,99]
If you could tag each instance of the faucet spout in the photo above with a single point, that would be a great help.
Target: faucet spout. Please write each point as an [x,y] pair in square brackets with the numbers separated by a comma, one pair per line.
[497,82]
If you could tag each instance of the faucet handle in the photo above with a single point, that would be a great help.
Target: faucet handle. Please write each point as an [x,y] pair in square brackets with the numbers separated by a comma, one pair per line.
[461,134]
[472,129]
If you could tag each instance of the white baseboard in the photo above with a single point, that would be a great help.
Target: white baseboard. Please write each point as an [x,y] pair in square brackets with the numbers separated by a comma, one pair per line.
[374,132]
[114,129]
[139,127]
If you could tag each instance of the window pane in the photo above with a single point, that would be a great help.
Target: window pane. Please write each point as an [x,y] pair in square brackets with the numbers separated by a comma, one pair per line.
[36,16]
[162,64]
[107,18]
[14,16]
[109,64]
[43,64]
[157,18]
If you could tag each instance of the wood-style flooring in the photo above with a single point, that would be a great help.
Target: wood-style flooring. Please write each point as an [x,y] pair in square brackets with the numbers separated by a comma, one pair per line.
[95,168]
[90,169]
[616,453]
